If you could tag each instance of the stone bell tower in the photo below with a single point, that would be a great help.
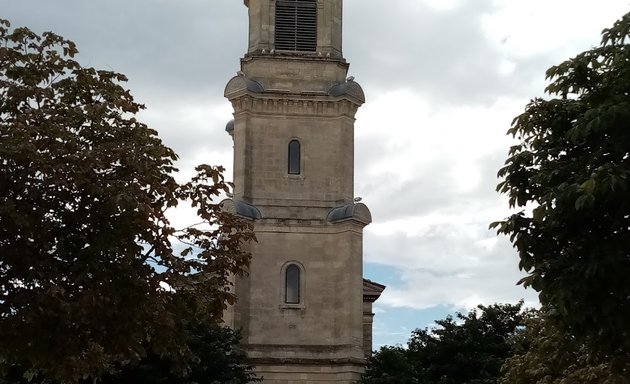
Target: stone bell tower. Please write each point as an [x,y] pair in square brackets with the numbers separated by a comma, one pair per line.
[303,311]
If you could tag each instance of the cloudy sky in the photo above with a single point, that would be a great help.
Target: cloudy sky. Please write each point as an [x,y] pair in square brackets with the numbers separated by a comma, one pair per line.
[443,80]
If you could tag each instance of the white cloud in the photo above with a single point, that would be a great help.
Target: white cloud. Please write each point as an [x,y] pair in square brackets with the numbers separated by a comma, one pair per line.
[535,27]
[442,5]
[506,67]
[462,273]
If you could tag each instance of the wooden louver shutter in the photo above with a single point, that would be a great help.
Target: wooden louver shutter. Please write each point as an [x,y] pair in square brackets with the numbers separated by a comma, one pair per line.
[296,25]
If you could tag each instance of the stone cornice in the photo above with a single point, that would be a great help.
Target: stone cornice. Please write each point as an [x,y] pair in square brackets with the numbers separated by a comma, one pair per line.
[311,348]
[290,56]
[288,104]
[258,361]
[372,290]
[306,226]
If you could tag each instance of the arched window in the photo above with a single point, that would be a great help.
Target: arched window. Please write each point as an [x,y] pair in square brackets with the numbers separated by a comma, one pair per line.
[292,284]
[294,157]
[296,25]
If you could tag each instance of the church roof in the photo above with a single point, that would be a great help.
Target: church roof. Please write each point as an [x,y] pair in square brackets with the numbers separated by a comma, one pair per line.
[372,290]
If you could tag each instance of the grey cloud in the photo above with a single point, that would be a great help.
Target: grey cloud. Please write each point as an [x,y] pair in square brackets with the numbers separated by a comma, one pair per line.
[447,268]
[165,48]
[181,50]
[430,190]
[189,127]
[443,248]
[443,55]
[177,57]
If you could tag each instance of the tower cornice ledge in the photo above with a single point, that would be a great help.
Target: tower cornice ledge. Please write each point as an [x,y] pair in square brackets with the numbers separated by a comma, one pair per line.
[314,362]
[293,56]
[289,104]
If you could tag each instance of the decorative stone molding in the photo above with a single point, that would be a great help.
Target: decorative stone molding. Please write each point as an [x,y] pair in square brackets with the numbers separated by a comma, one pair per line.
[357,212]
[241,209]
[240,83]
[314,362]
[293,105]
[350,89]
[372,290]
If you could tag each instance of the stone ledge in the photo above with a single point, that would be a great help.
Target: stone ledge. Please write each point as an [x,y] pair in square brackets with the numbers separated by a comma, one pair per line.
[258,361]
[315,106]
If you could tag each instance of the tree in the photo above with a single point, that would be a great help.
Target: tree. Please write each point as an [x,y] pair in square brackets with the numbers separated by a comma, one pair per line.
[467,349]
[544,355]
[89,278]
[570,173]
[390,365]
[215,359]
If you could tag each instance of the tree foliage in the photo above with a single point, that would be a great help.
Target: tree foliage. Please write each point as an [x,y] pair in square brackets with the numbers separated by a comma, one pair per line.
[87,265]
[214,359]
[570,173]
[390,365]
[542,354]
[467,349]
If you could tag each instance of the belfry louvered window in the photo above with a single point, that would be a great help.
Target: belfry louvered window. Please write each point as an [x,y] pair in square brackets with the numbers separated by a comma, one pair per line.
[296,25]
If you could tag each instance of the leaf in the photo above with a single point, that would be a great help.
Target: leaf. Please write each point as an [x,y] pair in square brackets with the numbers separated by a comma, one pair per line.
[583,201]
[587,187]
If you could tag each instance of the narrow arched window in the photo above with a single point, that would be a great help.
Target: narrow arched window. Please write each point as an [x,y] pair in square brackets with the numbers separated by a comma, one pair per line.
[292,285]
[296,25]
[294,157]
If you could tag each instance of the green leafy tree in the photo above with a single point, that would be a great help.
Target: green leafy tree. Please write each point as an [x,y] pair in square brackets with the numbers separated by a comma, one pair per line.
[467,349]
[390,365]
[217,359]
[87,267]
[542,354]
[214,359]
[570,173]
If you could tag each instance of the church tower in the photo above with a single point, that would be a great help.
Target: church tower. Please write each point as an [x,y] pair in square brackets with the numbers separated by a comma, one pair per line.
[304,312]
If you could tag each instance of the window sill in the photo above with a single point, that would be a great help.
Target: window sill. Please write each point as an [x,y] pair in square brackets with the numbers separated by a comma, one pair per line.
[292,306]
